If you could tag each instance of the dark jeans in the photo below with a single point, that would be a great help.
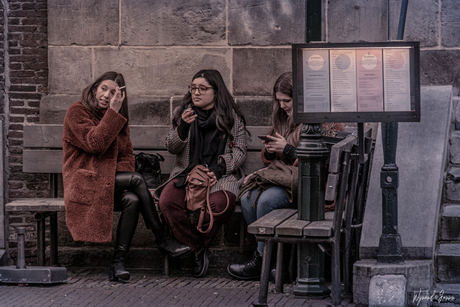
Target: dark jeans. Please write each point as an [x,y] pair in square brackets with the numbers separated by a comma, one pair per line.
[173,207]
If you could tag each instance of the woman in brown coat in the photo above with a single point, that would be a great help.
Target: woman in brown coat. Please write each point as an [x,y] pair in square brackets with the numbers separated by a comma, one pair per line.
[99,177]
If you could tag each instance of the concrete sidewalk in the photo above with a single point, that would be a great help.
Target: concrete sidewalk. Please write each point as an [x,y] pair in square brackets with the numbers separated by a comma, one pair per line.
[91,287]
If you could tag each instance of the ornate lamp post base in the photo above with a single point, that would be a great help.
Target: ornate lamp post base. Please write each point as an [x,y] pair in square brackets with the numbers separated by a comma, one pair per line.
[313,154]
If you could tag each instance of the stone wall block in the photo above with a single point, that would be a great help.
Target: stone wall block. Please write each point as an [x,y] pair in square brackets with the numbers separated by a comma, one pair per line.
[451,34]
[69,69]
[450,223]
[173,22]
[425,32]
[83,22]
[163,71]
[440,67]
[257,110]
[54,107]
[261,22]
[256,70]
[450,11]
[149,111]
[355,20]
[452,190]
[455,147]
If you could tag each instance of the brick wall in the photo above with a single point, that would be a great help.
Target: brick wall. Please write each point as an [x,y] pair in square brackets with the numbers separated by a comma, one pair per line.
[28,78]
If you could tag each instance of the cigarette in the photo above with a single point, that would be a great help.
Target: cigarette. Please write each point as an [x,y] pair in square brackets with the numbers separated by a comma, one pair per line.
[124,86]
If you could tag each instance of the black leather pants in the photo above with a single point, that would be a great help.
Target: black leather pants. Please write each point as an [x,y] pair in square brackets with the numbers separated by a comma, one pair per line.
[132,197]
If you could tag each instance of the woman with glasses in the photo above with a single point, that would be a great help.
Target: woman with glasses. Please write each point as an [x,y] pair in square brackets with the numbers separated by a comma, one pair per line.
[99,177]
[207,129]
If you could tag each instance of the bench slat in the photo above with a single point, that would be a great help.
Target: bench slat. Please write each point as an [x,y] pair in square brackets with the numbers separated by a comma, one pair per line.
[292,227]
[319,229]
[36,205]
[266,225]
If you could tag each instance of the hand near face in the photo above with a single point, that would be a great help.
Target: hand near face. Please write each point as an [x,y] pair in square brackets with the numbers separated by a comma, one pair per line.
[188,116]
[117,100]
[276,144]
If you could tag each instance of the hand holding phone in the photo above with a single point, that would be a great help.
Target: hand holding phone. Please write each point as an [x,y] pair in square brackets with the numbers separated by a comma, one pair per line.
[264,138]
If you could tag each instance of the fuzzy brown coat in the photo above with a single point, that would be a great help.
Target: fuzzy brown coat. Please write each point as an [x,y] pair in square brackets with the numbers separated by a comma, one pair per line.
[94,150]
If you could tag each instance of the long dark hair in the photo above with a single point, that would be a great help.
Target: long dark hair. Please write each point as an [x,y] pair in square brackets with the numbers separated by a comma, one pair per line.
[282,123]
[224,105]
[88,96]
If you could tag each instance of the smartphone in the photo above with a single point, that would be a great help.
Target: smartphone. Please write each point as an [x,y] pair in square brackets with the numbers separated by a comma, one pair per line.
[264,137]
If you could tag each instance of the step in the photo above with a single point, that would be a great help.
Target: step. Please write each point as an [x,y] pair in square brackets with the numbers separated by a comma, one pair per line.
[448,263]
[450,222]
[443,295]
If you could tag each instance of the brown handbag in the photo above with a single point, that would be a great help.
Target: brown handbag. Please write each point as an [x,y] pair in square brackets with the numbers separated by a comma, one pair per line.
[197,196]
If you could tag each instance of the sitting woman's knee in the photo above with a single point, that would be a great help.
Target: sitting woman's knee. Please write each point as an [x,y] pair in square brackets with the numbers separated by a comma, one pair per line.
[129,201]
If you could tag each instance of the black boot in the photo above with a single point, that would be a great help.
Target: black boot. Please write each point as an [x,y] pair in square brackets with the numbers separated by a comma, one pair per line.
[200,262]
[249,270]
[117,270]
[136,183]
[167,244]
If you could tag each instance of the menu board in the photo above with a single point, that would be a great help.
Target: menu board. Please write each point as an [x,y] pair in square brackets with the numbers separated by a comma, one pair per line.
[356,82]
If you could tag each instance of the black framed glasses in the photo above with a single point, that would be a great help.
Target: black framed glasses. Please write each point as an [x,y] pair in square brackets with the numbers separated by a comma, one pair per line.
[201,89]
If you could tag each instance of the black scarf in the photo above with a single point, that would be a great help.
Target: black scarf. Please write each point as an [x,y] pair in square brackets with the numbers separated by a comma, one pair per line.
[207,142]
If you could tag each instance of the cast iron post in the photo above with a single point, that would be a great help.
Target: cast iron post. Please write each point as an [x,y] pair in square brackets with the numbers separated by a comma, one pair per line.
[390,245]
[313,154]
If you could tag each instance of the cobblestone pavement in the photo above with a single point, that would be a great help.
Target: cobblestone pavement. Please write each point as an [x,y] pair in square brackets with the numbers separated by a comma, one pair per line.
[91,287]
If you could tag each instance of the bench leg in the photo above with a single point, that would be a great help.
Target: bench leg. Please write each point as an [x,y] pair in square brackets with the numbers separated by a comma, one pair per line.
[242,234]
[335,272]
[41,242]
[279,269]
[166,265]
[265,275]
[53,240]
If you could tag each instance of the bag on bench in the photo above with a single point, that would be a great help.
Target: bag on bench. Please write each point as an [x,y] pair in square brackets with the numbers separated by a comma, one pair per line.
[148,165]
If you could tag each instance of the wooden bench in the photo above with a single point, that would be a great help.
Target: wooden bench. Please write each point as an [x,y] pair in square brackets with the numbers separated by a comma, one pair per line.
[43,154]
[347,185]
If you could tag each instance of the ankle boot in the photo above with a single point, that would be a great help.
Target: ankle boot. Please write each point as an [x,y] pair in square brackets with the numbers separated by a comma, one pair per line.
[200,262]
[251,269]
[167,244]
[117,270]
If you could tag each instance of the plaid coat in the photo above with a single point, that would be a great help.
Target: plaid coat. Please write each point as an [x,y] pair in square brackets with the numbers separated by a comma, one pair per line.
[235,153]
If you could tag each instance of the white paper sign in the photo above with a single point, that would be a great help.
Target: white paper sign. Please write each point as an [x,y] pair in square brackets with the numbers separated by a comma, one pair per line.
[343,80]
[396,80]
[316,81]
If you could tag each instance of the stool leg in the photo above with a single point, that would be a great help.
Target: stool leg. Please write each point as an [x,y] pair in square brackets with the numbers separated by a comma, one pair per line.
[279,269]
[265,275]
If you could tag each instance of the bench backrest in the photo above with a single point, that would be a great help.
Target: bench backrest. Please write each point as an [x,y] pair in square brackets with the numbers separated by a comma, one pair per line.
[43,147]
